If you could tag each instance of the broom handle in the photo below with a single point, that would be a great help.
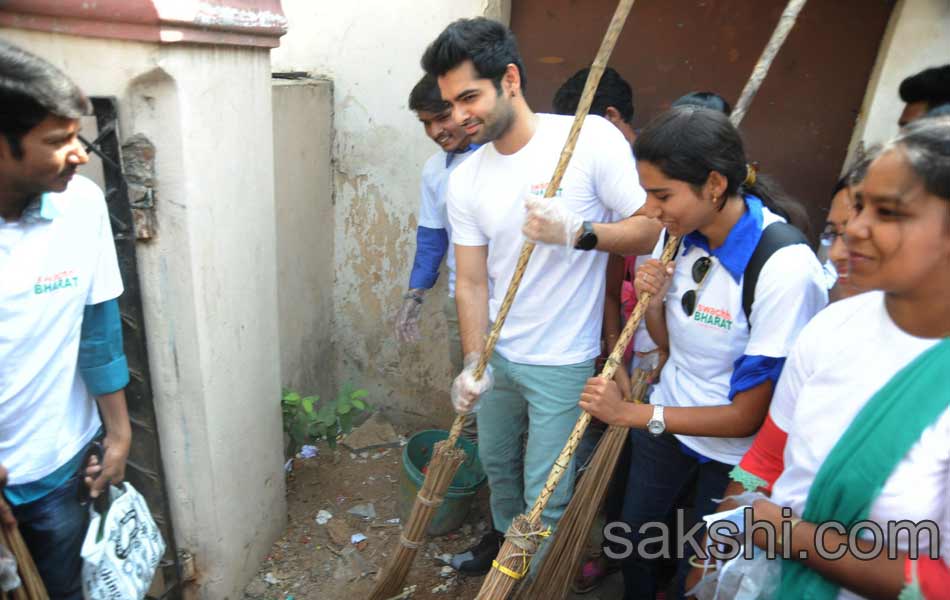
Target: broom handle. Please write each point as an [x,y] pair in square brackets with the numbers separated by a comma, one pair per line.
[784,27]
[32,587]
[583,107]
[613,362]
[786,21]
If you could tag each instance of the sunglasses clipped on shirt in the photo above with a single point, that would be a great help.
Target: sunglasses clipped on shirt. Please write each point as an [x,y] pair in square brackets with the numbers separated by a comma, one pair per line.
[701,269]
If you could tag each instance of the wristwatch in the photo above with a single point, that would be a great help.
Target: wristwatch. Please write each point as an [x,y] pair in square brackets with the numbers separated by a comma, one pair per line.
[588,239]
[656,425]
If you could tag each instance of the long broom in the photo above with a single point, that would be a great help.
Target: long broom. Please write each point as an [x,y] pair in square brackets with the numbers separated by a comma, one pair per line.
[446,457]
[526,532]
[554,576]
[31,587]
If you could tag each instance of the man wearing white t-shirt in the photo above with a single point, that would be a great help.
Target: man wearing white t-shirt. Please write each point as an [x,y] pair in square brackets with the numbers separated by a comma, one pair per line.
[60,332]
[552,334]
[434,233]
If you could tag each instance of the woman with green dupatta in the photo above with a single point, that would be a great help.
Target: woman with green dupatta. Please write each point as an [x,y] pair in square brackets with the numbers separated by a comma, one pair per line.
[864,401]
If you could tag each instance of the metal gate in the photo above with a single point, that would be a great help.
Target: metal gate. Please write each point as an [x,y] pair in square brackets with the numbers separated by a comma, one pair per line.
[144,469]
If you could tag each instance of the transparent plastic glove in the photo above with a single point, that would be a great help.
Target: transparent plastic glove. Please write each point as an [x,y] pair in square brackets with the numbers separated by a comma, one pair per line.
[546,221]
[407,320]
[466,390]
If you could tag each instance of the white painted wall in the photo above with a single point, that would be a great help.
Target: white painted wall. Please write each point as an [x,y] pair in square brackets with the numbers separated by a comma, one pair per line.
[303,131]
[208,284]
[371,50]
[917,37]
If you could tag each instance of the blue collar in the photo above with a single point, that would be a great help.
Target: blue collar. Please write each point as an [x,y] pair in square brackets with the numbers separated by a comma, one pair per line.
[41,209]
[736,251]
[451,155]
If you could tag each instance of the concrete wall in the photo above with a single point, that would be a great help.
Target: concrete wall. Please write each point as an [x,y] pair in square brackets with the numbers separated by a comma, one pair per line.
[371,50]
[208,283]
[303,195]
[917,37]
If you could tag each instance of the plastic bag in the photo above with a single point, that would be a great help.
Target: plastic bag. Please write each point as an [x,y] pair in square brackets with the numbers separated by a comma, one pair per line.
[122,548]
[741,579]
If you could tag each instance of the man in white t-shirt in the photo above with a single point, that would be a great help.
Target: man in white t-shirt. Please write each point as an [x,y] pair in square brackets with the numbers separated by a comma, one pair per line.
[434,233]
[60,331]
[552,334]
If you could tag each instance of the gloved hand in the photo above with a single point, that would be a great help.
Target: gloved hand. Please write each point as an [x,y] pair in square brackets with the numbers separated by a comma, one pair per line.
[466,390]
[407,320]
[548,222]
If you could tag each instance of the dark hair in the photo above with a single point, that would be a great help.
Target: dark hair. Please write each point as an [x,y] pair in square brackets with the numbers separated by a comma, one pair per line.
[930,86]
[710,100]
[926,144]
[425,95]
[30,90]
[488,44]
[611,91]
[854,174]
[687,143]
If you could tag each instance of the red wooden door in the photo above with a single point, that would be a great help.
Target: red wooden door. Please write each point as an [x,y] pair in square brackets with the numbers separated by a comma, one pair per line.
[800,124]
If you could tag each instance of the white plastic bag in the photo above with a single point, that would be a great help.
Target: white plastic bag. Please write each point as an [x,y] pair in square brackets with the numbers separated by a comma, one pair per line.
[122,548]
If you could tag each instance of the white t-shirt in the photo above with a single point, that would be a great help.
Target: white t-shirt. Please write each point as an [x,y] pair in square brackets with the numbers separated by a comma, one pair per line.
[432,210]
[557,314]
[704,347]
[842,358]
[51,269]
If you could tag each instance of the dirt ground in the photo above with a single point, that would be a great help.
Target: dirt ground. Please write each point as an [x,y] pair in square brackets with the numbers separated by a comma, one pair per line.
[318,562]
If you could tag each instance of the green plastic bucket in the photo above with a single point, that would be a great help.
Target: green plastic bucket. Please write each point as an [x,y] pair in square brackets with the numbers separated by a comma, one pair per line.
[458,499]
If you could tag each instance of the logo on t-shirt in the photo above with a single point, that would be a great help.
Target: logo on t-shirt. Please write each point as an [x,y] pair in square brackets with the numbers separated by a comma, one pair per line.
[58,281]
[538,189]
[713,318]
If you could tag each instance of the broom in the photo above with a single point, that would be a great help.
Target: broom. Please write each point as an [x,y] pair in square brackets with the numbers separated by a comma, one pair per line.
[554,576]
[31,587]
[523,537]
[446,457]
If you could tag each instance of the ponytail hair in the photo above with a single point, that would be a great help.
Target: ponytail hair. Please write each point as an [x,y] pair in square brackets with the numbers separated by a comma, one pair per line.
[687,143]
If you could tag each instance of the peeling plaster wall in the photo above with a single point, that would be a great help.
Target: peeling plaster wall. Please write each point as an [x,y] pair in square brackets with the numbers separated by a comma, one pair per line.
[917,37]
[303,123]
[371,50]
[208,285]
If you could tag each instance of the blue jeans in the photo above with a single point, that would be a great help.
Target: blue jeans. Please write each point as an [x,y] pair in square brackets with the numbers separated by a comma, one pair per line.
[540,401]
[54,528]
[662,479]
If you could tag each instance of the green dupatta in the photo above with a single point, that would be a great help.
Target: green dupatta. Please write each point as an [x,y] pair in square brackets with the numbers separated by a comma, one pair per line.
[855,471]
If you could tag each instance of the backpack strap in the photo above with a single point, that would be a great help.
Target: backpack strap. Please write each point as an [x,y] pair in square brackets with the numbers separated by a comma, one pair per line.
[774,237]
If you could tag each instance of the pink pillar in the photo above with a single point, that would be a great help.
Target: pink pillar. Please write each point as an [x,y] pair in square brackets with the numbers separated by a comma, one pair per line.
[255,23]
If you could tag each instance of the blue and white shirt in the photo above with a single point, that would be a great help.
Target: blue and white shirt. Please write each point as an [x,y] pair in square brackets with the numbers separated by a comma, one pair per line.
[714,353]
[434,232]
[56,263]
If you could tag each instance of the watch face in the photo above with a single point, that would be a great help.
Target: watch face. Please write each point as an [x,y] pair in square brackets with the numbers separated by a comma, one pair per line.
[588,241]
[655,427]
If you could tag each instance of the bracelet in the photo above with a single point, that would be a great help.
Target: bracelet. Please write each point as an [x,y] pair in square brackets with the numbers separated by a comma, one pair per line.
[417,297]
[794,521]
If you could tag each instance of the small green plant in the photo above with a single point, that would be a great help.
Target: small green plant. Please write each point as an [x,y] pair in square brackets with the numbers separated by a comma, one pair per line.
[307,418]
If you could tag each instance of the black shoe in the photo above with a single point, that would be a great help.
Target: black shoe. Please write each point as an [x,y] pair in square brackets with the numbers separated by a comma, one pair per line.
[477,559]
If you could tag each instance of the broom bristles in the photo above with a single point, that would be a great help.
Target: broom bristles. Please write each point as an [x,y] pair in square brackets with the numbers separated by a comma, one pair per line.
[521,543]
[446,459]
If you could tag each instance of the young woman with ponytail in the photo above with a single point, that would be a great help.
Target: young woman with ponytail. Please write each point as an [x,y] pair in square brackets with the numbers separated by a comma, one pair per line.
[715,389]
